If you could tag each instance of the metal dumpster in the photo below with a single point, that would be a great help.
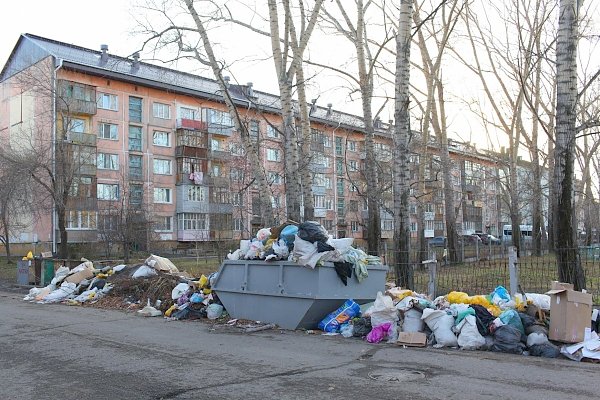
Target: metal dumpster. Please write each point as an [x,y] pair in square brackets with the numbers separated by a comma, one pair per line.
[288,294]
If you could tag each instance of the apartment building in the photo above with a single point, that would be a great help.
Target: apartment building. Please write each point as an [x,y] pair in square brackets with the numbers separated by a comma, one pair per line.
[160,142]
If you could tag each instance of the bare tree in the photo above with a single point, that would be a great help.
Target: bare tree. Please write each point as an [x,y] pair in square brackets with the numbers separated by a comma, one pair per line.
[14,204]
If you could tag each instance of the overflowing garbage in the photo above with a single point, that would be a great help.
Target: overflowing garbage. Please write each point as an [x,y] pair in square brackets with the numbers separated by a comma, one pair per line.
[559,323]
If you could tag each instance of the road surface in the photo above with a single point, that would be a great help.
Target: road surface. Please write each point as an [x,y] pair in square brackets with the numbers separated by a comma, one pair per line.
[69,352]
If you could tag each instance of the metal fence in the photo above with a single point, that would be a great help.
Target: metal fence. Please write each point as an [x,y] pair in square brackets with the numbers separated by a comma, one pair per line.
[485,268]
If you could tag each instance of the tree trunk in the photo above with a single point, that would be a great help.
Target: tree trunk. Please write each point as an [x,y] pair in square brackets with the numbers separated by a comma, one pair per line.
[569,265]
[63,249]
[404,272]
[306,177]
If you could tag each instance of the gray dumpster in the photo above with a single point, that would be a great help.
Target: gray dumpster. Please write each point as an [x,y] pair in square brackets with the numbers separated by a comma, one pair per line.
[288,294]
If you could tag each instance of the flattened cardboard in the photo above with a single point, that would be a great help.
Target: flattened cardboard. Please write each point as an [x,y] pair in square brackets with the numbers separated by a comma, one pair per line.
[77,277]
[413,339]
[570,313]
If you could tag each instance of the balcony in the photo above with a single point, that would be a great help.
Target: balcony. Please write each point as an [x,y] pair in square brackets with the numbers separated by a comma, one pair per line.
[76,98]
[217,181]
[86,139]
[191,124]
[217,129]
[191,138]
[82,203]
[220,154]
[193,235]
[220,208]
[320,212]
[192,152]
[319,190]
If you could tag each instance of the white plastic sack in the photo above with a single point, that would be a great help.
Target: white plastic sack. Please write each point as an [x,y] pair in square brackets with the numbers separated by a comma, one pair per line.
[87,295]
[179,290]
[280,248]
[161,264]
[341,245]
[383,311]
[144,271]
[235,255]
[412,321]
[536,338]
[64,291]
[441,325]
[405,304]
[149,311]
[254,250]
[60,275]
[33,293]
[119,268]
[86,264]
[540,300]
[214,311]
[469,337]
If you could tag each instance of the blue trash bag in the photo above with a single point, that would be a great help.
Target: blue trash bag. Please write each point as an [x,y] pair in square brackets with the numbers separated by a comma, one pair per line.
[512,318]
[347,311]
[288,234]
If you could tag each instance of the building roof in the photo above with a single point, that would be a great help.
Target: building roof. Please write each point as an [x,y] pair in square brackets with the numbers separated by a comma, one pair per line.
[31,48]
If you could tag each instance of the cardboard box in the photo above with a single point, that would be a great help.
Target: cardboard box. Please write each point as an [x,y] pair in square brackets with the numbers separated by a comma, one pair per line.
[77,277]
[413,339]
[570,313]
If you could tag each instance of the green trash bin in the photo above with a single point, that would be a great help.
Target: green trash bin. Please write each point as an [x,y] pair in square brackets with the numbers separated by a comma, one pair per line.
[47,272]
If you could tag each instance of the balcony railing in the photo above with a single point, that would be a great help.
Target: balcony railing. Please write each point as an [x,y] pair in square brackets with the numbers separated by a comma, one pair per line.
[82,138]
[184,123]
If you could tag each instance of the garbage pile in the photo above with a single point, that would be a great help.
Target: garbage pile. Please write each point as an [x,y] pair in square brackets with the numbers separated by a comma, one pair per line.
[309,245]
[156,285]
[495,322]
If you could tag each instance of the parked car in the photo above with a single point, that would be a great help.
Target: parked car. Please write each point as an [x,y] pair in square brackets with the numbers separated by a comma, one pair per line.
[438,241]
[487,238]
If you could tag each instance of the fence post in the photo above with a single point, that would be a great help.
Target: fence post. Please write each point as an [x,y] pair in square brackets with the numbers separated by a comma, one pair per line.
[432,268]
[513,270]
[477,250]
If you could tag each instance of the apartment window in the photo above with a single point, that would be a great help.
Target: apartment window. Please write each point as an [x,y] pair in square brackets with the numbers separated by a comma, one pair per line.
[136,194]
[192,221]
[81,220]
[197,193]
[236,174]
[353,205]
[107,222]
[215,145]
[319,201]
[354,226]
[254,129]
[236,149]
[162,111]
[328,224]
[135,138]
[188,113]
[275,178]
[108,131]
[413,226]
[81,187]
[338,146]
[108,161]
[272,132]
[135,167]
[222,118]
[322,160]
[216,170]
[135,109]
[86,155]
[237,199]
[108,191]
[238,224]
[353,165]
[162,167]
[220,196]
[160,138]
[351,144]
[164,223]
[162,195]
[272,155]
[340,186]
[107,101]
[76,125]
[339,166]
[78,92]
[326,141]
[341,207]
[387,225]
[275,201]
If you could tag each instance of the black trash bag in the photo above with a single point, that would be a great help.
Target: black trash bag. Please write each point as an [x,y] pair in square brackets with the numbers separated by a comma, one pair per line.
[344,271]
[507,339]
[483,319]
[547,350]
[312,231]
[536,328]
[362,326]
[527,320]
[98,284]
[322,247]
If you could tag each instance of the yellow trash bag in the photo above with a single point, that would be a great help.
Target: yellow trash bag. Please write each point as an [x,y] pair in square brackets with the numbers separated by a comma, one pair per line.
[480,300]
[458,298]
[203,282]
[30,256]
[170,310]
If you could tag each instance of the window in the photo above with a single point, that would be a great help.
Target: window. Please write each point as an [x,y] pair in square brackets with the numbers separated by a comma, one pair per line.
[354,226]
[197,193]
[108,191]
[136,194]
[272,132]
[135,109]
[319,201]
[164,223]
[162,167]
[108,131]
[321,160]
[341,207]
[220,195]
[387,225]
[162,195]
[272,155]
[338,146]
[217,117]
[107,222]
[108,161]
[413,227]
[351,144]
[192,221]
[85,155]
[135,138]
[339,166]
[135,167]
[161,139]
[79,92]
[352,165]
[328,224]
[81,219]
[275,178]
[76,125]
[276,201]
[340,186]
[160,110]
[216,170]
[326,141]
[81,187]
[236,149]
[188,113]
[353,205]
[254,129]
[238,224]
[215,145]
[236,174]
[237,199]
[107,101]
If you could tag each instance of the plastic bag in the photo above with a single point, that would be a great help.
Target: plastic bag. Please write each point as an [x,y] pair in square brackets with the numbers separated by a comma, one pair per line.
[412,321]
[347,311]
[149,311]
[540,300]
[512,318]
[263,234]
[379,333]
[342,245]
[382,310]
[547,350]
[144,272]
[214,311]
[64,291]
[507,339]
[536,338]
[347,330]
[469,337]
[441,325]
[362,327]
[161,264]
[288,233]
[179,290]
[312,231]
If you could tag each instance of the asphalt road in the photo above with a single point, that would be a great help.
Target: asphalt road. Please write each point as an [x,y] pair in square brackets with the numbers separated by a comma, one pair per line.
[62,352]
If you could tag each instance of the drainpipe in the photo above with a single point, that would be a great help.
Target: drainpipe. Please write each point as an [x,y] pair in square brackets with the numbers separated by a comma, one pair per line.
[59,63]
